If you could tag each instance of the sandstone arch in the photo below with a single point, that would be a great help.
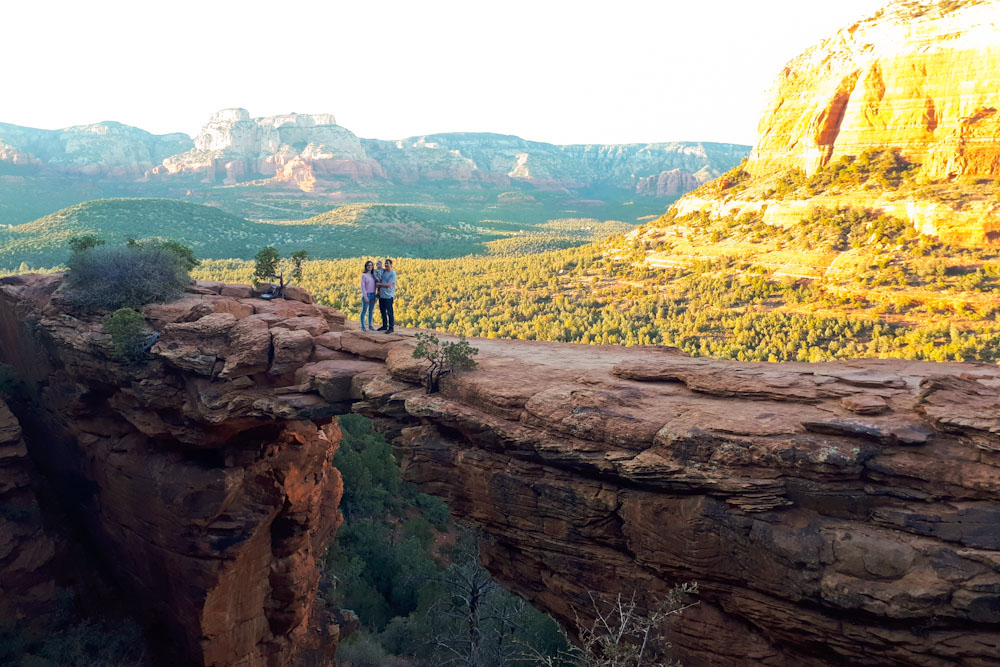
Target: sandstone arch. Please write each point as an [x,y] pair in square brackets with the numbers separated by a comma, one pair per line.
[842,512]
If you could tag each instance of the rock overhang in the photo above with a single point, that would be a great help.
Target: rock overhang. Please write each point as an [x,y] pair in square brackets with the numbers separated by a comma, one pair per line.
[856,494]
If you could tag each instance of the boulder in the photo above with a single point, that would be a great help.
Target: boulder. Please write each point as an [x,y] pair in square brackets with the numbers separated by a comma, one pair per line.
[334,317]
[284,308]
[296,293]
[332,379]
[330,340]
[237,291]
[314,325]
[248,348]
[371,345]
[291,350]
[196,346]
[212,286]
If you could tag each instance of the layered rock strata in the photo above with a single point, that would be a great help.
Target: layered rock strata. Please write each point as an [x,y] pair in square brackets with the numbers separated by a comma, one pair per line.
[839,513]
[920,78]
[27,549]
[233,147]
[923,78]
[209,502]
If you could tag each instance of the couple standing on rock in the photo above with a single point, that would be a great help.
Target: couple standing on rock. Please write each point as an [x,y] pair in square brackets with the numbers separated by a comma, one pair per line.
[382,281]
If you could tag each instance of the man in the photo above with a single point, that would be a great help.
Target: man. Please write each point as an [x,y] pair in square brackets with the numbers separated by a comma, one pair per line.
[386,293]
[381,309]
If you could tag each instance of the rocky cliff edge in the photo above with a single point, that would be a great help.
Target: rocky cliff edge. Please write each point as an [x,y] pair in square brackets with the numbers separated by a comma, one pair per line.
[831,513]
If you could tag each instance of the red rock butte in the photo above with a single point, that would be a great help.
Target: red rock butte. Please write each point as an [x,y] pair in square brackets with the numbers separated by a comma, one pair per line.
[834,513]
[921,78]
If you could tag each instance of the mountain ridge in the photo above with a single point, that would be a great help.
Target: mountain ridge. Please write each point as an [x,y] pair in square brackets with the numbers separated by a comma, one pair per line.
[310,151]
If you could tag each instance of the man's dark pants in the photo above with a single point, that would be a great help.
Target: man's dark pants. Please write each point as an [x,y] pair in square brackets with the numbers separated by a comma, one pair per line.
[381,311]
[385,309]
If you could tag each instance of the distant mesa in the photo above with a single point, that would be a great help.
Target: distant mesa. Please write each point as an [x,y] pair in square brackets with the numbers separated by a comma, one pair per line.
[107,150]
[306,150]
[312,152]
[296,148]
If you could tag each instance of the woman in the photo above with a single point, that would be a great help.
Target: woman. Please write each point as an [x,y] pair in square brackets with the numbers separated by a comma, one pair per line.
[367,294]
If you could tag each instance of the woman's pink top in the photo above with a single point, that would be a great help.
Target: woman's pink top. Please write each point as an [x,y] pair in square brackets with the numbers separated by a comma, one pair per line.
[367,283]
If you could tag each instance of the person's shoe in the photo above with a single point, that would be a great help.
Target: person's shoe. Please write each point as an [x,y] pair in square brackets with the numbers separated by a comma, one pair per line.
[390,330]
[382,329]
[363,329]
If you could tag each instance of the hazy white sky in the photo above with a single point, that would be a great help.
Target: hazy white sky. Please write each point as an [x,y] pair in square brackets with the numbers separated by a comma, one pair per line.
[570,71]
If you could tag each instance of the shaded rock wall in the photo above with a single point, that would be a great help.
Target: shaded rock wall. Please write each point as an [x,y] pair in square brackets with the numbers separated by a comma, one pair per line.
[27,549]
[840,513]
[210,514]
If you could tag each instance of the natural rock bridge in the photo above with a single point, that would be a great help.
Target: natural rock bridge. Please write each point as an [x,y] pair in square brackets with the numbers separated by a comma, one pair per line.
[831,513]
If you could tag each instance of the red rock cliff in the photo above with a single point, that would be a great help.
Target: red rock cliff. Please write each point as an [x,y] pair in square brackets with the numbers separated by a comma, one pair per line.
[27,550]
[838,513]
[923,78]
[210,508]
[841,513]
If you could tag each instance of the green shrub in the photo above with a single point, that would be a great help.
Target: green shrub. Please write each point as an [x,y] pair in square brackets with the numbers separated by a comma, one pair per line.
[109,278]
[443,358]
[873,168]
[361,650]
[735,179]
[183,252]
[128,334]
[85,242]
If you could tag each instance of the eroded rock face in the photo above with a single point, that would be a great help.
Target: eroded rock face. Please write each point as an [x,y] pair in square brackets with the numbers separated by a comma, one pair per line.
[671,183]
[837,513]
[209,495]
[27,550]
[922,78]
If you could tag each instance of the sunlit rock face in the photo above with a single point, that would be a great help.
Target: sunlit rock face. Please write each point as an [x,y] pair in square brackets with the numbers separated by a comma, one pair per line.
[234,147]
[668,183]
[922,78]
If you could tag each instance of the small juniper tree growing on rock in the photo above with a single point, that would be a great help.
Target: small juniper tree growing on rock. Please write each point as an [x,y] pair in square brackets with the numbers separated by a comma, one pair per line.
[129,338]
[270,266]
[443,358]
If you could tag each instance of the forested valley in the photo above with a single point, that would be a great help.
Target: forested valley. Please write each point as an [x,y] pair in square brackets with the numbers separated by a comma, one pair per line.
[724,307]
